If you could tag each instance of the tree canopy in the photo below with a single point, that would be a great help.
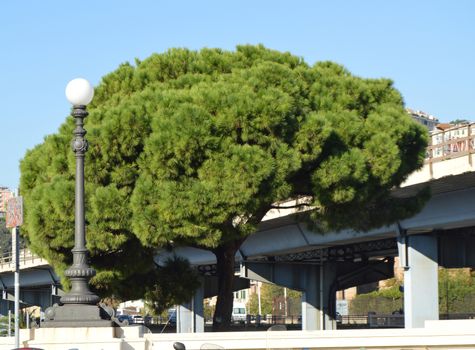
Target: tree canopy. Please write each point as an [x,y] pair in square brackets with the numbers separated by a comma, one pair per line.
[194,147]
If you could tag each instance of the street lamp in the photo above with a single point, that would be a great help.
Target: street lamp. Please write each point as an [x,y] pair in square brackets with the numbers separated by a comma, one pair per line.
[79,306]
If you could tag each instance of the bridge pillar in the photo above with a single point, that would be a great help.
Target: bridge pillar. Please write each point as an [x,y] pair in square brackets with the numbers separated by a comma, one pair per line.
[190,316]
[318,298]
[421,300]
[316,282]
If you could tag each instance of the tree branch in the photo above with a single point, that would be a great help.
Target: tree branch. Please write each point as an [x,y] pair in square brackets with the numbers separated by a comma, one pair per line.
[300,205]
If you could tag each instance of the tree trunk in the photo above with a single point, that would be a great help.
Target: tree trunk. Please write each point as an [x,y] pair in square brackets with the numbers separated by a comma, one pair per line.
[225,273]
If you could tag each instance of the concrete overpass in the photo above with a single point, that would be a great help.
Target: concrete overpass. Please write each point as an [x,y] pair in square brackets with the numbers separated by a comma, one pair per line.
[284,251]
[39,285]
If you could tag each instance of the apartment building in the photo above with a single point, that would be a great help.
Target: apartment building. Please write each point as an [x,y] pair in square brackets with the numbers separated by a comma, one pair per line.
[429,121]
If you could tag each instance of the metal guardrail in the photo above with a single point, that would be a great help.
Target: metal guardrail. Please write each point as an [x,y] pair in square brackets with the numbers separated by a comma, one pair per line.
[360,321]
[274,319]
[386,321]
[26,257]
[352,319]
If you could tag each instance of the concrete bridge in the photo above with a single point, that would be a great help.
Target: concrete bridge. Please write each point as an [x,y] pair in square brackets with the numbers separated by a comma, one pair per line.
[285,252]
[39,285]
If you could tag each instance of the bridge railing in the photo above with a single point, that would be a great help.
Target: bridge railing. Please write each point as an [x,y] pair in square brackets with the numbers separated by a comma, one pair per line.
[451,143]
[450,152]
[386,321]
[26,257]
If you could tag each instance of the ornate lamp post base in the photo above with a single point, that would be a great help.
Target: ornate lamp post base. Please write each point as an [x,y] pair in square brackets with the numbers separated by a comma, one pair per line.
[78,315]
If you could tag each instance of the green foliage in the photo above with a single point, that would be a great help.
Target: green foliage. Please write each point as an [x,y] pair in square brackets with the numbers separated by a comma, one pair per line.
[456,295]
[3,228]
[195,146]
[178,281]
[363,304]
[268,293]
[208,310]
[4,325]
[460,121]
[383,301]
[456,291]
[5,238]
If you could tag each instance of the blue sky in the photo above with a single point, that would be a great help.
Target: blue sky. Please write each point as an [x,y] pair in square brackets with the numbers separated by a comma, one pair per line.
[426,47]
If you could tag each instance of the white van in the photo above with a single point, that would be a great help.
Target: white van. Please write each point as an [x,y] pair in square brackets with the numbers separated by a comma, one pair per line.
[239,313]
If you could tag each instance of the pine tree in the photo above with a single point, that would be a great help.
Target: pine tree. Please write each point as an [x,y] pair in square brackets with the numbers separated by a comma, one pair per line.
[194,147]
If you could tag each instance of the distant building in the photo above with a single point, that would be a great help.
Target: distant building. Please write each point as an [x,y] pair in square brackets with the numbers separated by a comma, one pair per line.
[452,140]
[131,307]
[5,194]
[429,121]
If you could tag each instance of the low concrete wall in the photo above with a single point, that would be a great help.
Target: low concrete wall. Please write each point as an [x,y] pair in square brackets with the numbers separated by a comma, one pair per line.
[435,338]
[87,338]
[448,167]
[452,334]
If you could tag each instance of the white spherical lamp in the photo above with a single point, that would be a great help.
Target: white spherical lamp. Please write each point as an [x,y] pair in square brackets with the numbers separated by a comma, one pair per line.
[79,92]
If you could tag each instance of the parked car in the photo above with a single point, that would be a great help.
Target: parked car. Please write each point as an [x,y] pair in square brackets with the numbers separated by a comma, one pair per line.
[137,319]
[125,319]
[239,314]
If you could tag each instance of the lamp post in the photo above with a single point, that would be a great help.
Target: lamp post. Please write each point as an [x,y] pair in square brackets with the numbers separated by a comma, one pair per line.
[79,93]
[79,306]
